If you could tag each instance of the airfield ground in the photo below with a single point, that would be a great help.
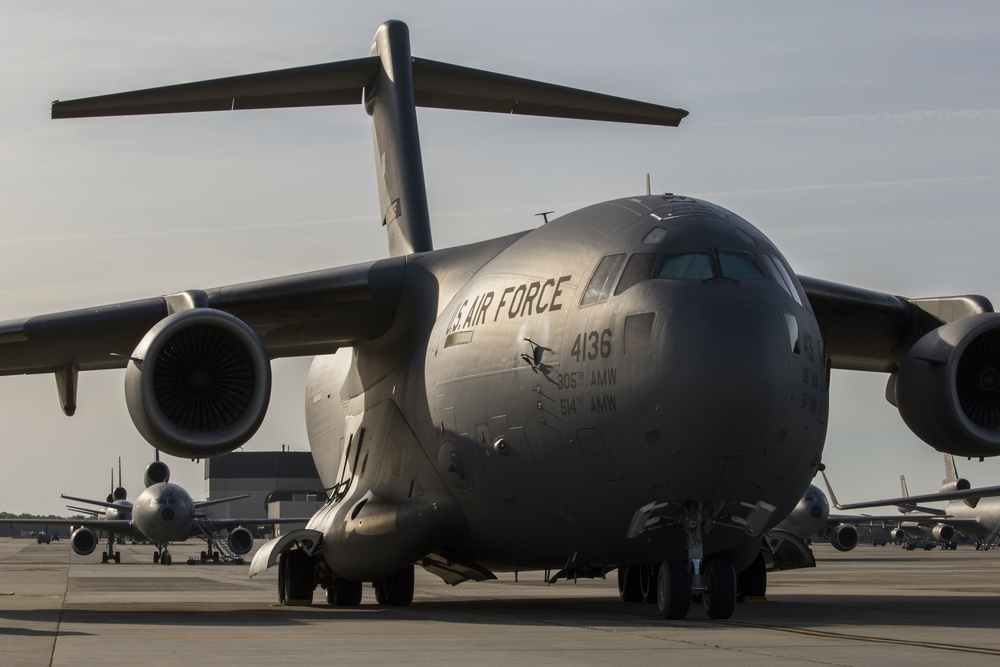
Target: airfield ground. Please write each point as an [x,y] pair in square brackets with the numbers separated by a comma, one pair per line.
[869,606]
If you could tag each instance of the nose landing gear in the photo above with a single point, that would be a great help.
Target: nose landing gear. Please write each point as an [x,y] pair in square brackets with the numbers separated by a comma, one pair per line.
[681,581]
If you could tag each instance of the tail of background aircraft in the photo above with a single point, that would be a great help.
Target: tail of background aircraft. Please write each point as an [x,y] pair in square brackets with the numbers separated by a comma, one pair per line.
[391,84]
[902,486]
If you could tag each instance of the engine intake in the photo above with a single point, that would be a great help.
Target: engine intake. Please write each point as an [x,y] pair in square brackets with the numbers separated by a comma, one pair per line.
[943,532]
[240,540]
[157,472]
[844,537]
[83,541]
[198,384]
[947,389]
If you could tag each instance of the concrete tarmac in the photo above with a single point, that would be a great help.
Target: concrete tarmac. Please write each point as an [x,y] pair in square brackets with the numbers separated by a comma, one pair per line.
[874,605]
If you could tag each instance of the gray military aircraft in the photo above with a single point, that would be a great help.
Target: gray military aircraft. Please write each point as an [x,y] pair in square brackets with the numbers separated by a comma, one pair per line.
[163,513]
[971,513]
[644,380]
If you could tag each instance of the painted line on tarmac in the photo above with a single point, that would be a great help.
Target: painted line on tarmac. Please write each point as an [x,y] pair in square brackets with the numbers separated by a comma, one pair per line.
[865,638]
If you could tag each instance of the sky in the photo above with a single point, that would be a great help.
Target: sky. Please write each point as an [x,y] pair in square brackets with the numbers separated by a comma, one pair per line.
[862,138]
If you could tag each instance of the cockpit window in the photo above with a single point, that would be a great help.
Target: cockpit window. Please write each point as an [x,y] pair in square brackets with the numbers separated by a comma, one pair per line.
[689,266]
[655,235]
[739,266]
[604,276]
[639,268]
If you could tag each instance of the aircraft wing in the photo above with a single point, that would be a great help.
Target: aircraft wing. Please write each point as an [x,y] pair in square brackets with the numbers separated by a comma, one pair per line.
[100,503]
[887,518]
[871,331]
[298,315]
[205,503]
[966,494]
[106,525]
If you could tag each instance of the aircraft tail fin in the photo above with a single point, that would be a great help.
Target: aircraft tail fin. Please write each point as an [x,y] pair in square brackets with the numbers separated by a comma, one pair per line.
[391,84]
[950,470]
[902,485]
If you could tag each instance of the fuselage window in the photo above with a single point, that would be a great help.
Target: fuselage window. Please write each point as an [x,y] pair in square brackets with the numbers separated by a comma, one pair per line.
[739,266]
[604,276]
[689,266]
[639,268]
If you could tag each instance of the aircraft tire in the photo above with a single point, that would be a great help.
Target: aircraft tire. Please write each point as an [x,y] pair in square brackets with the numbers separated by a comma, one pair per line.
[104,557]
[156,557]
[673,589]
[298,577]
[344,593]
[397,588]
[118,557]
[720,593]
[752,582]
[628,583]
[281,577]
[648,576]
[167,559]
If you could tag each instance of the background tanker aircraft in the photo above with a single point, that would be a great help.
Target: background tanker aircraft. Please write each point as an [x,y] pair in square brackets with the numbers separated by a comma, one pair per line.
[163,513]
[971,513]
[642,381]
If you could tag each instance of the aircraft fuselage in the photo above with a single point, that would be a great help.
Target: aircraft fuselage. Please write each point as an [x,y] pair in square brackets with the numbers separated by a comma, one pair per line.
[653,349]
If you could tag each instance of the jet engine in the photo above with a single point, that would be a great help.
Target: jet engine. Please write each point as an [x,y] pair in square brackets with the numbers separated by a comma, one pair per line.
[898,534]
[240,540]
[198,384]
[844,537]
[947,389]
[83,541]
[943,533]
[157,472]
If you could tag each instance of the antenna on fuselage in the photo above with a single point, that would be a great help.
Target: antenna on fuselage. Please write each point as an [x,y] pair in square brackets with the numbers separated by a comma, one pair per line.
[545,215]
[648,191]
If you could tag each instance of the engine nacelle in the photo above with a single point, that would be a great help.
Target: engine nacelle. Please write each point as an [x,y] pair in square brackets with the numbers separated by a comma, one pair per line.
[118,494]
[157,472]
[948,387]
[943,533]
[898,534]
[844,537]
[240,540]
[83,541]
[960,484]
[198,384]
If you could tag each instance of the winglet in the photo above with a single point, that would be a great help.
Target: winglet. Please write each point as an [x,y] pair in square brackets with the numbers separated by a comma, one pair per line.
[833,496]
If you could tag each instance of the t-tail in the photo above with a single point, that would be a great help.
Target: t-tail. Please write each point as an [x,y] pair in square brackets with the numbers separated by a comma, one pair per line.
[391,84]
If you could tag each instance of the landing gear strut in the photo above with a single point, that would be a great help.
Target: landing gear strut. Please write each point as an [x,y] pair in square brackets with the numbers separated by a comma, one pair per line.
[678,581]
[111,555]
[161,555]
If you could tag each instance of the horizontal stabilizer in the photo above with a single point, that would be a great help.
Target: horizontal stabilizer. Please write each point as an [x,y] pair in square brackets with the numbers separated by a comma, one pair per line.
[435,84]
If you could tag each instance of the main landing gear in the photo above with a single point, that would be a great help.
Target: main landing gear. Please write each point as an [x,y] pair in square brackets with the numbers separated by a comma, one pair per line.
[299,574]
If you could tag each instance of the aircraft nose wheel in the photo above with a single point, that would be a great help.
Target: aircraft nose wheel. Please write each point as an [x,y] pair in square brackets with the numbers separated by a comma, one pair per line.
[673,589]
[720,588]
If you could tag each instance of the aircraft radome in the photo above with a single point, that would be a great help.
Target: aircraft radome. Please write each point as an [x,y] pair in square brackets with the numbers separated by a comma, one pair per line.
[640,384]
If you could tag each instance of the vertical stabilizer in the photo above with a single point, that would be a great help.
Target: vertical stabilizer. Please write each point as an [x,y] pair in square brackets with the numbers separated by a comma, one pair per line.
[398,165]
[902,486]
[950,471]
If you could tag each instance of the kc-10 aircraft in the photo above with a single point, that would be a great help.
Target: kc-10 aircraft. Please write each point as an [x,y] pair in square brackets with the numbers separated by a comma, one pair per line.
[641,381]
[971,513]
[163,513]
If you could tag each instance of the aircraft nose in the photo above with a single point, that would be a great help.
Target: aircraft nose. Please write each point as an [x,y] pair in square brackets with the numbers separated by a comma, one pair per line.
[727,365]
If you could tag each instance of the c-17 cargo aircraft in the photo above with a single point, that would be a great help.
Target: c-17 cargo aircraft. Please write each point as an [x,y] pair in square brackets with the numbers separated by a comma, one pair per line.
[641,381]
[163,513]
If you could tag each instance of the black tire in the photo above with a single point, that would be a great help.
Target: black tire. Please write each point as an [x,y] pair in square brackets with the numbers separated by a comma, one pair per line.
[752,582]
[104,557]
[673,589]
[167,559]
[299,578]
[156,557]
[118,557]
[381,596]
[282,565]
[628,583]
[344,593]
[648,578]
[720,588]
[397,588]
